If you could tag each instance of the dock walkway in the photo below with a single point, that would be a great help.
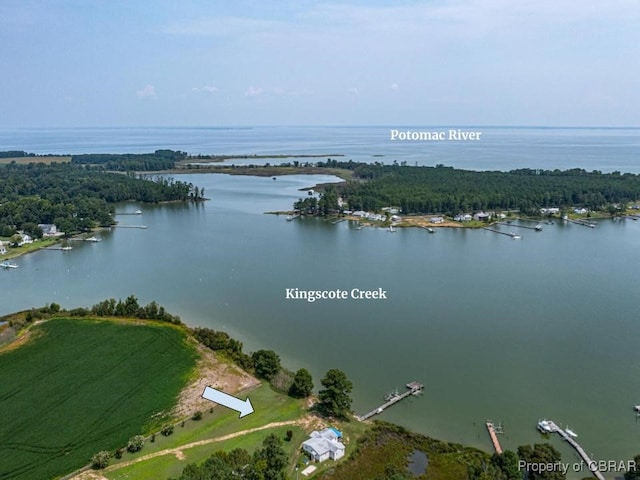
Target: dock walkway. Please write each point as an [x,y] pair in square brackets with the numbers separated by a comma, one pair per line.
[537,228]
[494,438]
[584,223]
[414,388]
[591,464]
[509,234]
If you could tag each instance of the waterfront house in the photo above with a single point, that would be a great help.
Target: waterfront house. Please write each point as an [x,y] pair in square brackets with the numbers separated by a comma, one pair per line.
[25,239]
[481,217]
[580,211]
[550,211]
[463,217]
[324,444]
[3,249]
[436,219]
[48,229]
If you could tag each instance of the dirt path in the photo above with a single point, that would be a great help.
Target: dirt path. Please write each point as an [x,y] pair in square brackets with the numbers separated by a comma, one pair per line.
[178,451]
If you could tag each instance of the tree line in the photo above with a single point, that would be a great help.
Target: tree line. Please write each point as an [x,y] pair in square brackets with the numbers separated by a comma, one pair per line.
[75,198]
[423,189]
[334,399]
[268,462]
[158,160]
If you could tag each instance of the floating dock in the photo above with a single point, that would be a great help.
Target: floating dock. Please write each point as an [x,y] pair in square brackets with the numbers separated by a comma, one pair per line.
[413,388]
[551,427]
[494,437]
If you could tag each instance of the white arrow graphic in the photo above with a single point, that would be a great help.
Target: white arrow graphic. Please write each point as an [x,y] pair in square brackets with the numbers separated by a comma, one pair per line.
[229,401]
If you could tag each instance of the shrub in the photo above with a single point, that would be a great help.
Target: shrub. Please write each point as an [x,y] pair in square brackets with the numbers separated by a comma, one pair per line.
[100,460]
[135,443]
[166,430]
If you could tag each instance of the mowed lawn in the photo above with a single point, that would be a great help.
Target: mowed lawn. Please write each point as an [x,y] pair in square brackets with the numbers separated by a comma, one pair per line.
[270,407]
[81,386]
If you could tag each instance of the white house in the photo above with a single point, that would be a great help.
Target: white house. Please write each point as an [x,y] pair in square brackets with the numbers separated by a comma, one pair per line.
[481,216]
[3,249]
[25,239]
[48,229]
[436,219]
[580,211]
[550,211]
[324,444]
[463,217]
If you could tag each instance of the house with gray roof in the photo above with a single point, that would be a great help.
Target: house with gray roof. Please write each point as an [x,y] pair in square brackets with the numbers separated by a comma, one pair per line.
[324,444]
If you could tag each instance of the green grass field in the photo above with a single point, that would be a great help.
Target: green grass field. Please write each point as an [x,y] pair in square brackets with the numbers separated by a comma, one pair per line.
[81,386]
[270,407]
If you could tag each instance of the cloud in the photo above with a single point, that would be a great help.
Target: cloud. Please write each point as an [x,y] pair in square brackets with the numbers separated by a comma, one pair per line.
[148,91]
[253,92]
[394,86]
[206,89]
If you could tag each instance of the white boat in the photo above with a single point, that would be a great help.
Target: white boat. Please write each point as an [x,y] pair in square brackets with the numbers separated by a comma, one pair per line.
[92,239]
[515,236]
[431,230]
[138,212]
[391,229]
[570,432]
[66,249]
[545,426]
[637,408]
[8,265]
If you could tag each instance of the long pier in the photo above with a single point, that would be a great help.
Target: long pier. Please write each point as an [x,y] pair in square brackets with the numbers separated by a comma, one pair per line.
[591,464]
[494,438]
[537,228]
[510,234]
[131,226]
[414,388]
[584,223]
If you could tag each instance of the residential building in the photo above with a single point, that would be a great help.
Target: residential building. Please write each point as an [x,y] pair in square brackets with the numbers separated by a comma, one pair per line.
[324,445]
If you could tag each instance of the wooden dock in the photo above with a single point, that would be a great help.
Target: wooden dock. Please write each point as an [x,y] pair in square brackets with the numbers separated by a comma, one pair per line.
[494,437]
[584,223]
[130,226]
[413,388]
[589,462]
[537,228]
[509,234]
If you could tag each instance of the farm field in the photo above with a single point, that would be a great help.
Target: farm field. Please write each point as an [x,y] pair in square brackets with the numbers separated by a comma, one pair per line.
[81,386]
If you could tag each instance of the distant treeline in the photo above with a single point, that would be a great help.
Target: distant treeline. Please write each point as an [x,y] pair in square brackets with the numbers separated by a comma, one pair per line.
[75,198]
[16,154]
[158,160]
[451,191]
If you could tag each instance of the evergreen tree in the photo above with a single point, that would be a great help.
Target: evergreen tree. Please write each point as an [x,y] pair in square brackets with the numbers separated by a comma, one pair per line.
[335,399]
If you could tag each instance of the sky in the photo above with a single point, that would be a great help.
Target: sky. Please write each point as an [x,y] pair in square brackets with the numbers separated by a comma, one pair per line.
[87,63]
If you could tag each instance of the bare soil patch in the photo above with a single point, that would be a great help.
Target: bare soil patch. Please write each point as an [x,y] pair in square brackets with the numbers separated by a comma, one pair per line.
[212,372]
